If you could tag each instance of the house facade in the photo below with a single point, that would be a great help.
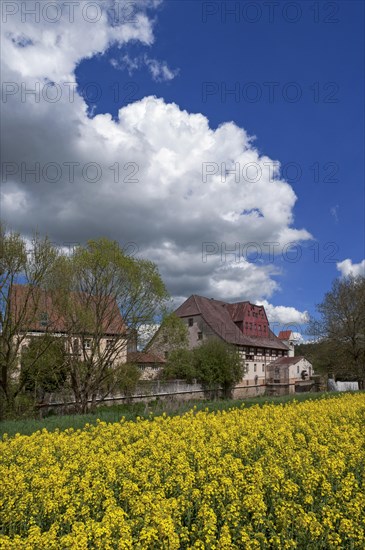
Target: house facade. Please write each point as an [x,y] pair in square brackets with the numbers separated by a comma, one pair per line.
[242,324]
[36,314]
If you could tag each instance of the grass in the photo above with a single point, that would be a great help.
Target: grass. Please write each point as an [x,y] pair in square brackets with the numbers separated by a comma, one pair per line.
[143,410]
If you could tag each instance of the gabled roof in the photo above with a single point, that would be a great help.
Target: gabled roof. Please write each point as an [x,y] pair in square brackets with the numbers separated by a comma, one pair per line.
[281,361]
[285,334]
[218,316]
[27,308]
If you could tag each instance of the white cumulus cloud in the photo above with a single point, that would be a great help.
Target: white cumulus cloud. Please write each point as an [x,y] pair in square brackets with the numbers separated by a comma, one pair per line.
[347,267]
[140,179]
[285,318]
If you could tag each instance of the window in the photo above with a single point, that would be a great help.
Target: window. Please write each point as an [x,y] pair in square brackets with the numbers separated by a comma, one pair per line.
[200,336]
[43,319]
[298,369]
[191,321]
[263,368]
[109,344]
[254,367]
[87,343]
[75,347]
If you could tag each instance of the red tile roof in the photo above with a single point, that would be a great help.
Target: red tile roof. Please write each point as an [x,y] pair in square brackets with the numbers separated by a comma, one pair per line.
[281,361]
[144,357]
[27,308]
[284,334]
[218,316]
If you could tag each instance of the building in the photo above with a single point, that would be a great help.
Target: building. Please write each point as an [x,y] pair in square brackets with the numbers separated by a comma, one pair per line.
[242,324]
[289,375]
[148,363]
[288,337]
[35,313]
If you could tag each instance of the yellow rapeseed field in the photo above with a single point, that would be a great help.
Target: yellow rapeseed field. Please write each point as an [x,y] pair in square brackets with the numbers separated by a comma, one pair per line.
[274,477]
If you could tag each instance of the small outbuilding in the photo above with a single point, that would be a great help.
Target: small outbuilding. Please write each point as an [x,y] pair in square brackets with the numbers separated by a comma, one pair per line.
[289,375]
[149,363]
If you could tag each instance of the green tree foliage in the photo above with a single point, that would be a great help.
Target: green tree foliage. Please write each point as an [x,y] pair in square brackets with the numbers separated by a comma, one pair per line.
[180,364]
[218,365]
[340,330]
[321,354]
[214,364]
[84,293]
[43,365]
[105,280]
[173,332]
[31,266]
[128,375]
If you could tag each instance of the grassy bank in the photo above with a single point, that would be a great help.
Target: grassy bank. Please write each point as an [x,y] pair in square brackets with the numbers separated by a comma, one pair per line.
[144,410]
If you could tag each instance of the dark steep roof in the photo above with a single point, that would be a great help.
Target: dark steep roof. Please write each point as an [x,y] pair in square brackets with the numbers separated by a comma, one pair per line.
[218,316]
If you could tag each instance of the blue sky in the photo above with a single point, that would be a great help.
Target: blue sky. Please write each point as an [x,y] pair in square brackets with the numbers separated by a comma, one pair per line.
[298,78]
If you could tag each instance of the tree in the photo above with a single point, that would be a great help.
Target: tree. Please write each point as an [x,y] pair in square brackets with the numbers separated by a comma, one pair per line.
[217,366]
[180,364]
[43,365]
[175,332]
[33,269]
[321,354]
[173,335]
[111,294]
[341,327]
[128,377]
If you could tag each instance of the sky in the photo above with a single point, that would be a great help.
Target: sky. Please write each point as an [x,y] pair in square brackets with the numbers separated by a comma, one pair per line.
[222,140]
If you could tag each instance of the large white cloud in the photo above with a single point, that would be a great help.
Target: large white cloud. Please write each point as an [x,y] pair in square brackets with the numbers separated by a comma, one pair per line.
[288,316]
[347,267]
[153,165]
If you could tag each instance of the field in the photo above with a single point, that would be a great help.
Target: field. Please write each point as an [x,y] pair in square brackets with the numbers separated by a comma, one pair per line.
[275,476]
[113,413]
